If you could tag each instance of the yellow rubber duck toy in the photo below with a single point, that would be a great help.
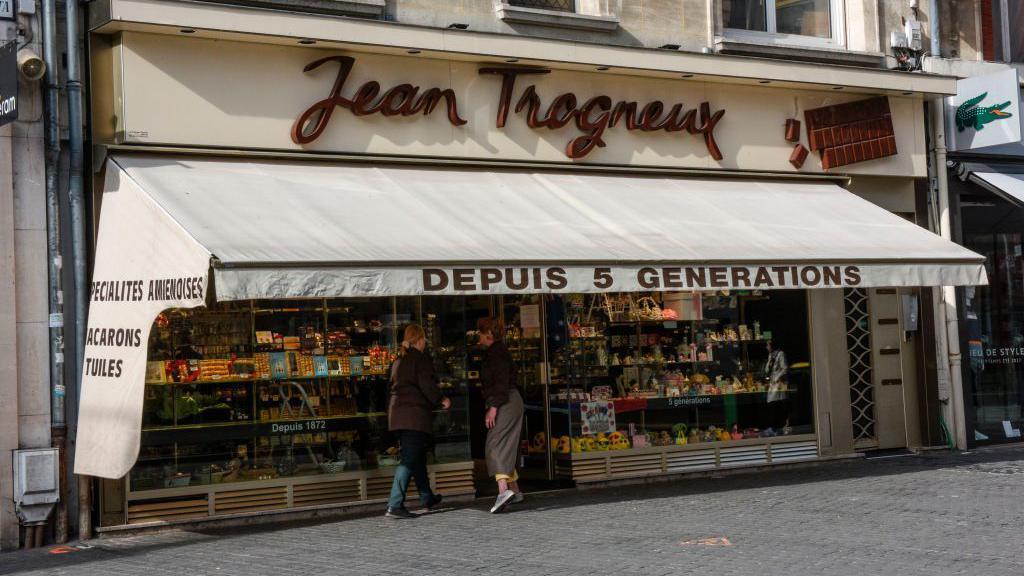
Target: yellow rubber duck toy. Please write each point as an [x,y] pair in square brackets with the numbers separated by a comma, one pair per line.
[564,445]
[539,444]
[579,444]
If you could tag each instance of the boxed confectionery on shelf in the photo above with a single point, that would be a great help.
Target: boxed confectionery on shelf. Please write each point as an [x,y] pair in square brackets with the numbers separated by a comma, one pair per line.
[641,373]
[259,391]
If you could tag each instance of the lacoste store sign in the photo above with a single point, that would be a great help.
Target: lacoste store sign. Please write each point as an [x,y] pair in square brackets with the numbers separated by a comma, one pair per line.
[985,112]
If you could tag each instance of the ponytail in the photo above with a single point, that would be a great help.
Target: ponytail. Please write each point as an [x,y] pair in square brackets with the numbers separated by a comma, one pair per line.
[413,333]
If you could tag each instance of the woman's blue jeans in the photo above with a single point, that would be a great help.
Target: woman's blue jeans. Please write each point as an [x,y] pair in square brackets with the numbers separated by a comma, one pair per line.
[413,463]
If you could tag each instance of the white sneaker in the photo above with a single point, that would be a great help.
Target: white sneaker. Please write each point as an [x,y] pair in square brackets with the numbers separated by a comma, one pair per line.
[518,498]
[503,499]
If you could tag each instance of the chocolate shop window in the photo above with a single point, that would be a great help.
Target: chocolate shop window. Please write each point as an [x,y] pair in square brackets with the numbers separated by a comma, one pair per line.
[281,388]
[678,368]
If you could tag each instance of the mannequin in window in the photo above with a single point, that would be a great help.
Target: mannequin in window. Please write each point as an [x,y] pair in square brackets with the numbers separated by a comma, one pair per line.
[776,372]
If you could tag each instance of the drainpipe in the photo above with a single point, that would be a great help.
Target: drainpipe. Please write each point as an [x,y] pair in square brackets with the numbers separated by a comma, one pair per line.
[51,137]
[933,25]
[76,205]
[947,325]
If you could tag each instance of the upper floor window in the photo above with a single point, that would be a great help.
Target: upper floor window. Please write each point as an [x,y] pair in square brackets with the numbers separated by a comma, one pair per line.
[813,18]
[1001,24]
[588,15]
[560,5]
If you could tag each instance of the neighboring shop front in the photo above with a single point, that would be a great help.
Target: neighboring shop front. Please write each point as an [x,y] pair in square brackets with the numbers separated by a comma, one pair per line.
[685,283]
[987,194]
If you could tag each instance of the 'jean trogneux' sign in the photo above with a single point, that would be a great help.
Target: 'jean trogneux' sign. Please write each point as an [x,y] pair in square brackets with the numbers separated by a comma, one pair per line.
[592,117]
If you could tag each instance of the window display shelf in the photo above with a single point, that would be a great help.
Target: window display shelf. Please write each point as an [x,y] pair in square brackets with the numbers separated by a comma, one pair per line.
[607,465]
[235,423]
[245,380]
[666,402]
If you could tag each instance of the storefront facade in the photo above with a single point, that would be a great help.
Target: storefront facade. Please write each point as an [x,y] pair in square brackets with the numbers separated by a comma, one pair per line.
[695,272]
[986,183]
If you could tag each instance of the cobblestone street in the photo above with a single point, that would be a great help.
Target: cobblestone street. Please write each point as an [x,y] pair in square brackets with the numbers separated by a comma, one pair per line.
[931,514]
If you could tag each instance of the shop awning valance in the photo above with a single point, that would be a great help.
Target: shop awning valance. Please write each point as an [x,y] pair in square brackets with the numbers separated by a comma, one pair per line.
[278,229]
[301,229]
[1007,184]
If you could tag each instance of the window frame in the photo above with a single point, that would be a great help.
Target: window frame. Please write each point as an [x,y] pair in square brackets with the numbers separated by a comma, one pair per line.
[837,30]
[574,10]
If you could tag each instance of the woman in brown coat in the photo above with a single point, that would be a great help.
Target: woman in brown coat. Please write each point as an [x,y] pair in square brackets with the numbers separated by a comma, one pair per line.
[504,416]
[413,399]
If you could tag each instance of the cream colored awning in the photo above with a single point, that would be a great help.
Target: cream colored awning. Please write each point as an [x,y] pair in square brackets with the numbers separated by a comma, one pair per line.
[301,229]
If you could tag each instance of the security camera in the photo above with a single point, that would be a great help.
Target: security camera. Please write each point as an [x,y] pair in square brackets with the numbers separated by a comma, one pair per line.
[30,64]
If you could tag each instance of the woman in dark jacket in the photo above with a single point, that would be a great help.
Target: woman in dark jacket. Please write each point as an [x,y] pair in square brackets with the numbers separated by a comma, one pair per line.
[504,416]
[413,399]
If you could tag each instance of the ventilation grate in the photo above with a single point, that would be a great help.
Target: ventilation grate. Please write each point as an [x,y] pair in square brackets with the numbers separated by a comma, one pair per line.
[635,465]
[253,500]
[326,492]
[792,451]
[167,509]
[743,456]
[690,461]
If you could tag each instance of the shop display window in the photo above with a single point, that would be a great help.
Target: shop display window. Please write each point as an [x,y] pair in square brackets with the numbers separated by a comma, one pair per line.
[270,389]
[641,370]
[992,321]
[275,389]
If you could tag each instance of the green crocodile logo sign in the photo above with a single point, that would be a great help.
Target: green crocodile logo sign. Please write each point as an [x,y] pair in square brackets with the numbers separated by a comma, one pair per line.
[970,115]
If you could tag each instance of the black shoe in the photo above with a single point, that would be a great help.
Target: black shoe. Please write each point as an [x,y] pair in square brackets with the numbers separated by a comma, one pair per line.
[435,502]
[400,513]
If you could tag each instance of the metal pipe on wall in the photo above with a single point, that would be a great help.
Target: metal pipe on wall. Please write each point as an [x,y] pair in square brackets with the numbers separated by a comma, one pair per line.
[948,332]
[76,207]
[933,25]
[51,137]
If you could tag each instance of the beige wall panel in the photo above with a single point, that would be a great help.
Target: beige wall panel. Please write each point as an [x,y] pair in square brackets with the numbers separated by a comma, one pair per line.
[893,194]
[862,25]
[34,368]
[249,95]
[103,80]
[31,271]
[8,346]
[34,430]
[830,363]
[30,193]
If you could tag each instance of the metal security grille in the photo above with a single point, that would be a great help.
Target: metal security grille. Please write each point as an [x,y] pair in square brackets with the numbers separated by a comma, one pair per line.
[560,5]
[858,344]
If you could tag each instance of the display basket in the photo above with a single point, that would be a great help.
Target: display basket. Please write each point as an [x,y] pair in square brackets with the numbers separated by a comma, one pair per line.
[335,467]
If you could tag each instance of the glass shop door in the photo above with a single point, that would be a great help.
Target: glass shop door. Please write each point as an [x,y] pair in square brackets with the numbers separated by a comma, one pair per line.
[524,318]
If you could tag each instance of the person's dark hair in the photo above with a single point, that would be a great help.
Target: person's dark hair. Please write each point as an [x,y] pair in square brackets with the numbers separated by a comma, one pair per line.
[492,326]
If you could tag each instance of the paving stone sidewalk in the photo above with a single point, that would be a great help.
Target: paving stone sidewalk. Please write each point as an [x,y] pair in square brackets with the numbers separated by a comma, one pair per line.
[932,514]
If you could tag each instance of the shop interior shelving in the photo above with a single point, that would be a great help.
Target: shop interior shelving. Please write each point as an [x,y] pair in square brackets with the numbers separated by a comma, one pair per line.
[292,431]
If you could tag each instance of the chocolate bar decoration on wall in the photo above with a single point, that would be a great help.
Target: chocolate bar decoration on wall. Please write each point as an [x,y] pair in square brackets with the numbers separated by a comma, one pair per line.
[798,156]
[851,132]
[792,130]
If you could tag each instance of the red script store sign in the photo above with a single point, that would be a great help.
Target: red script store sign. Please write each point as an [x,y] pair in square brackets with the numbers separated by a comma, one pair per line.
[592,117]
